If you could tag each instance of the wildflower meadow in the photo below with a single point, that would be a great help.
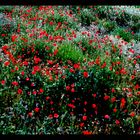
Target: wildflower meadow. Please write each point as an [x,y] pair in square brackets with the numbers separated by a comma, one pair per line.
[69,70]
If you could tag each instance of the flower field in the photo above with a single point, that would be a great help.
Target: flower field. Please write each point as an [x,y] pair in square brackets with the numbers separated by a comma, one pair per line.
[70,70]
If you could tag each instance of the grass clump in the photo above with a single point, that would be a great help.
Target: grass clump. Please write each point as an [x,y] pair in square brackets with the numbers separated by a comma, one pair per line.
[69,52]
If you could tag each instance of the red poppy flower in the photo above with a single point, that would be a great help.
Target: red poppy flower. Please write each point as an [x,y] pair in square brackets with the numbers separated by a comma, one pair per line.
[85,74]
[137,86]
[50,116]
[47,98]
[4,48]
[51,23]
[63,76]
[132,114]
[73,101]
[85,110]
[84,118]
[76,66]
[37,109]
[125,111]
[104,65]
[114,110]
[72,90]
[67,88]
[32,84]
[36,68]
[41,90]
[94,95]
[56,115]
[30,114]
[25,63]
[85,103]
[19,91]
[107,53]
[131,50]
[113,90]
[13,38]
[15,83]
[72,70]
[3,82]
[72,85]
[97,61]
[123,71]
[71,105]
[37,60]
[51,102]
[27,79]
[93,105]
[132,77]
[3,35]
[55,52]
[110,68]
[81,124]
[106,97]
[33,72]
[118,62]
[123,102]
[117,122]
[34,92]
[87,132]
[135,62]
[6,63]
[106,116]
[24,39]
[113,99]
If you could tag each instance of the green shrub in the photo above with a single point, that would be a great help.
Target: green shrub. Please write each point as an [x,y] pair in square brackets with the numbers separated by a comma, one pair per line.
[137,37]
[109,26]
[135,18]
[6,8]
[68,51]
[123,19]
[87,17]
[136,27]
[127,36]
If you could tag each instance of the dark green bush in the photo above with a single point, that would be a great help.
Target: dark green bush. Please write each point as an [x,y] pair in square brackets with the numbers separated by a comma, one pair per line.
[87,17]
[109,26]
[6,8]
[127,36]
[136,27]
[137,37]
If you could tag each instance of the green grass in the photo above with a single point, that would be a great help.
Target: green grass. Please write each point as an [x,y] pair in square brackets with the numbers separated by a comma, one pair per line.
[67,51]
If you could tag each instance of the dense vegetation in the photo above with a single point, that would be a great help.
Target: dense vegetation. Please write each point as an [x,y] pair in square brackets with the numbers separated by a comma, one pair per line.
[69,70]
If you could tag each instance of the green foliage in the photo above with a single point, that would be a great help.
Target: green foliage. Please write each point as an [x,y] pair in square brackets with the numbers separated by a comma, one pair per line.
[137,37]
[136,27]
[86,17]
[6,8]
[120,16]
[135,18]
[68,51]
[127,36]
[109,25]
